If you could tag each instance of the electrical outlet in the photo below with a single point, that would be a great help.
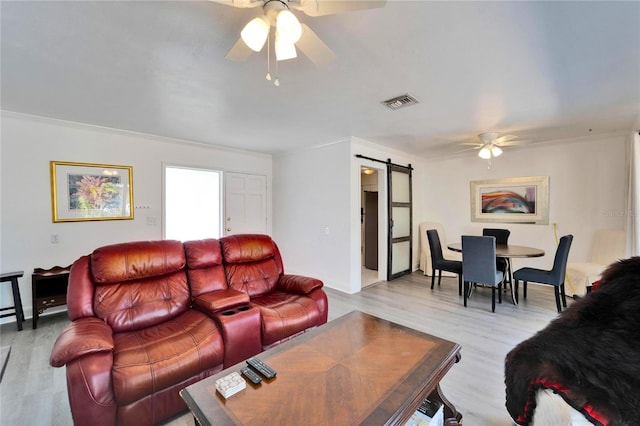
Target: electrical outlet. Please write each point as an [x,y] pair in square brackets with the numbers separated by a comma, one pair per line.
[55,238]
[326,231]
[152,220]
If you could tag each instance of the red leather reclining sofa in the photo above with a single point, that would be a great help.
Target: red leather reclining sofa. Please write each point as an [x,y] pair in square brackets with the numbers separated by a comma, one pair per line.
[149,318]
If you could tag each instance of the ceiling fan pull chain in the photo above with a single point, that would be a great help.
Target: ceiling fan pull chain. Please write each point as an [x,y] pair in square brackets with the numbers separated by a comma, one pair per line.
[277,82]
[268,76]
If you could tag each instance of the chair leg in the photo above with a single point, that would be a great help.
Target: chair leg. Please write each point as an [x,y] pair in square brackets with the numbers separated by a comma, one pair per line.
[515,290]
[439,276]
[524,289]
[564,296]
[433,278]
[500,292]
[556,291]
[459,284]
[493,299]
[466,291]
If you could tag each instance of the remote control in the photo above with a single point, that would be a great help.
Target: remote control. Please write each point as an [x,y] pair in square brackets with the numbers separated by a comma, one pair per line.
[262,368]
[250,375]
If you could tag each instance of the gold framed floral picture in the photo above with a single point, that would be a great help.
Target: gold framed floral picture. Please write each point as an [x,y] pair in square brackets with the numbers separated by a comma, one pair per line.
[85,191]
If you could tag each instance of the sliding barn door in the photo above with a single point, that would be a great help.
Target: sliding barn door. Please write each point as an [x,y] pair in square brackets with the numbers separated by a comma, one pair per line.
[400,221]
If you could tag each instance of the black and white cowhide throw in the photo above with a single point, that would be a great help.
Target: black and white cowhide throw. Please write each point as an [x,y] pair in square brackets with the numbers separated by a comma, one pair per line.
[589,355]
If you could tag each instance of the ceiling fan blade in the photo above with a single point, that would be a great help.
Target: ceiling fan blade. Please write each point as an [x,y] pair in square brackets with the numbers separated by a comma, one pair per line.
[239,52]
[513,143]
[240,3]
[314,48]
[330,7]
[505,138]
[460,151]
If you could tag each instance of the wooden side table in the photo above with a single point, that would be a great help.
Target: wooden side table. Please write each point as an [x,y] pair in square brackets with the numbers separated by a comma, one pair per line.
[48,289]
[17,300]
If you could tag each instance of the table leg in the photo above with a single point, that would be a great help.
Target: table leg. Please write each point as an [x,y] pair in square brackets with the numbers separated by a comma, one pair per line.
[17,301]
[514,288]
[451,416]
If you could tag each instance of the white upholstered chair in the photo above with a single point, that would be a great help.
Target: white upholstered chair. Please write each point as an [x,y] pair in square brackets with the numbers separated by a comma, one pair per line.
[607,246]
[425,254]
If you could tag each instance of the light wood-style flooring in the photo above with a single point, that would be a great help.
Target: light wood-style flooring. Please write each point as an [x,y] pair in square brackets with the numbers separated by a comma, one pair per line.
[33,393]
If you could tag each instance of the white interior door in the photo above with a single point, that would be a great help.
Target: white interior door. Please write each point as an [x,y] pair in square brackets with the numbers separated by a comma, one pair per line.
[245,204]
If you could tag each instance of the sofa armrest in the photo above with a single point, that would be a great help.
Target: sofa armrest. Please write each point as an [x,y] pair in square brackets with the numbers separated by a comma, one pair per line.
[215,301]
[81,337]
[298,284]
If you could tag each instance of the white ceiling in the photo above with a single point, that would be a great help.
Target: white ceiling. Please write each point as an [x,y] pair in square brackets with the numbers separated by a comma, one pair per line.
[540,70]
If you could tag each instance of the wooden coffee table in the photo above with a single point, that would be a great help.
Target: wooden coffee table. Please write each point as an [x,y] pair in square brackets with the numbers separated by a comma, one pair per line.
[357,369]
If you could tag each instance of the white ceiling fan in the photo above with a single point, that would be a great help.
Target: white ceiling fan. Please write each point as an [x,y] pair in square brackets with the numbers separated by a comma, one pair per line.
[490,144]
[289,32]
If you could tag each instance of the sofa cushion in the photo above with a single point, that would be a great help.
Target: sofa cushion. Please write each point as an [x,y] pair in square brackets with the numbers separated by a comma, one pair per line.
[134,305]
[247,248]
[149,360]
[203,253]
[285,314]
[130,261]
[255,278]
[204,266]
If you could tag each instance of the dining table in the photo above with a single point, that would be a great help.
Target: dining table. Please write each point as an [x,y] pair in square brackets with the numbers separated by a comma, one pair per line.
[507,251]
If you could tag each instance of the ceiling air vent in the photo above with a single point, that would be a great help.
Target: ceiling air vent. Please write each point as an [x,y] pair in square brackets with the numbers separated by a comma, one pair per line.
[400,101]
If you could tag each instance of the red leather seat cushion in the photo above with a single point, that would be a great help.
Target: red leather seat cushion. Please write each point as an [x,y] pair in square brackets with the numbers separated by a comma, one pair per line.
[149,360]
[285,314]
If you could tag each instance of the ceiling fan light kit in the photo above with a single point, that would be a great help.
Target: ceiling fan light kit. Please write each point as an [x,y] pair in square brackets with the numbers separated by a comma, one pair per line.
[490,144]
[289,32]
[284,49]
[495,151]
[255,33]
[288,27]
[484,153]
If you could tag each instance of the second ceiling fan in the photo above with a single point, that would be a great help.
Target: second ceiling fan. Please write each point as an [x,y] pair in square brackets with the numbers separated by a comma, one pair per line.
[490,144]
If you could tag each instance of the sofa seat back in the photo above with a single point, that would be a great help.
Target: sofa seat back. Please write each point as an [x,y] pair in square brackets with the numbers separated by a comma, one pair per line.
[139,284]
[252,263]
[204,266]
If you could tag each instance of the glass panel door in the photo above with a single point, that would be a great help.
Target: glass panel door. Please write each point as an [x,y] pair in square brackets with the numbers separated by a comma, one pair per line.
[400,221]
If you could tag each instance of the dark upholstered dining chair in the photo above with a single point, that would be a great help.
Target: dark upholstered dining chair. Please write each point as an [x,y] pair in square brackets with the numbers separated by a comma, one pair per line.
[554,277]
[479,266]
[502,239]
[439,263]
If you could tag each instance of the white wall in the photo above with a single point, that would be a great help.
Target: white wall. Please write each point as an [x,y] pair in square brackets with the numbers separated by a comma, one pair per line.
[27,146]
[587,191]
[311,212]
[320,188]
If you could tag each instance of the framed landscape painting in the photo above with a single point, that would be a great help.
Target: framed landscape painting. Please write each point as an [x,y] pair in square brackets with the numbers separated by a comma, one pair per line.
[84,191]
[513,200]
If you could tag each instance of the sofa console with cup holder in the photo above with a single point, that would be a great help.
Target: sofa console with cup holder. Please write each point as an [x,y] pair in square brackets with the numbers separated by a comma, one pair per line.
[149,318]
